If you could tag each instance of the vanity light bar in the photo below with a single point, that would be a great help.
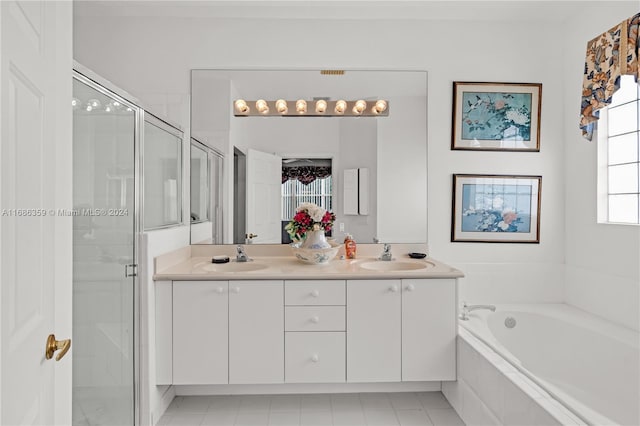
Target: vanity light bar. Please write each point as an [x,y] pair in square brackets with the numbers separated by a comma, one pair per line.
[314,108]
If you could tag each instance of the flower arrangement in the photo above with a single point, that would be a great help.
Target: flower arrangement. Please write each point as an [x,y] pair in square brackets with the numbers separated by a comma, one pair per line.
[309,217]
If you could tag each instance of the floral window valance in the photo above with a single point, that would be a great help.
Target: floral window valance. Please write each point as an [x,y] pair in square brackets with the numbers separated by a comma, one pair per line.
[610,55]
[305,174]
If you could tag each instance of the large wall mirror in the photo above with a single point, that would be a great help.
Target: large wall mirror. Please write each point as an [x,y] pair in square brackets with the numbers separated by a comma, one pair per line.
[272,162]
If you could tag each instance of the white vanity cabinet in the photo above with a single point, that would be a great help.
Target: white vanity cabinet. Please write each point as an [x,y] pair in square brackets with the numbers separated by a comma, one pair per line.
[429,328]
[401,330]
[256,332]
[373,330]
[227,332]
[200,331]
[315,326]
[305,331]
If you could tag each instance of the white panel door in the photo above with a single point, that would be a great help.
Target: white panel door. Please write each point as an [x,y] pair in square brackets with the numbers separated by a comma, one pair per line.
[264,196]
[200,332]
[428,330]
[256,332]
[35,181]
[373,331]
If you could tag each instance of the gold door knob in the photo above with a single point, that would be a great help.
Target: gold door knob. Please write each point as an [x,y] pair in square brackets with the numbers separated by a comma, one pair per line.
[56,345]
[251,236]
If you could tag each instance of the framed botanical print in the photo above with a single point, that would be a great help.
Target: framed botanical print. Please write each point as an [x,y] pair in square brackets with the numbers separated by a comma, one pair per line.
[496,116]
[496,208]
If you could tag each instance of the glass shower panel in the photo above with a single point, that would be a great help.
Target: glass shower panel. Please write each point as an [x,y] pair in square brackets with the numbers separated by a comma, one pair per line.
[162,171]
[103,245]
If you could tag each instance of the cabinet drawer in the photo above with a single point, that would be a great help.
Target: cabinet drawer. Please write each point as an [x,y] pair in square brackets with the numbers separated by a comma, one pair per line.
[314,318]
[315,357]
[316,292]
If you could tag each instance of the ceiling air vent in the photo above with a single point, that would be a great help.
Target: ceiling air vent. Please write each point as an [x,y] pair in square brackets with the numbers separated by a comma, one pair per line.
[332,72]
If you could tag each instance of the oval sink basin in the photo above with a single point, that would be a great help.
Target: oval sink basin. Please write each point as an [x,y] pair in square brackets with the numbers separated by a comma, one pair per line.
[232,267]
[381,265]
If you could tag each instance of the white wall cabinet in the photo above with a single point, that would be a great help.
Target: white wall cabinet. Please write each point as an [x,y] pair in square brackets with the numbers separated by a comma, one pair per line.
[256,332]
[200,330]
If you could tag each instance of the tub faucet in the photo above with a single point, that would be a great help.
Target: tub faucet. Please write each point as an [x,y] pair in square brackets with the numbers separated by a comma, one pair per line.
[386,253]
[241,256]
[464,315]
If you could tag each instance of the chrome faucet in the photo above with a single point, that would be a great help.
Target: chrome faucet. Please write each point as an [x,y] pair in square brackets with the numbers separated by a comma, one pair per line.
[386,253]
[241,256]
[464,315]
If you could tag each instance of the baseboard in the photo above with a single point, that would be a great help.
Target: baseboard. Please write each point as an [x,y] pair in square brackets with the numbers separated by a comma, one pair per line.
[305,388]
[165,401]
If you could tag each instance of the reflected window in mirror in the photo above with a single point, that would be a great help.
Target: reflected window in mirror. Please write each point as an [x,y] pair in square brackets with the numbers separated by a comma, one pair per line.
[200,183]
[305,181]
[206,194]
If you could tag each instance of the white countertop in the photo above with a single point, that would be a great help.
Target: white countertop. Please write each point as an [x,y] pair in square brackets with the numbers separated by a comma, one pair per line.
[195,264]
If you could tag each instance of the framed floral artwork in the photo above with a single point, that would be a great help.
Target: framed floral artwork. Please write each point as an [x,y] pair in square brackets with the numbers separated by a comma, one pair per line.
[496,116]
[496,209]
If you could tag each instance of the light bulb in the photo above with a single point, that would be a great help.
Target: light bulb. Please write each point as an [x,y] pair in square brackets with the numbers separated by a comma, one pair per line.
[241,106]
[281,106]
[301,106]
[129,109]
[321,106]
[359,107]
[341,106]
[75,103]
[261,106]
[94,103]
[108,108]
[116,104]
[379,107]
[89,108]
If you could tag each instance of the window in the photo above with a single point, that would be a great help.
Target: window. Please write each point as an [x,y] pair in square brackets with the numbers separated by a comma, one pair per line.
[619,156]
[295,193]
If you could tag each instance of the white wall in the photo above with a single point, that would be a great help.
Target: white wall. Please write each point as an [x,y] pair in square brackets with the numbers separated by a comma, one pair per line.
[154,399]
[602,260]
[358,148]
[448,50]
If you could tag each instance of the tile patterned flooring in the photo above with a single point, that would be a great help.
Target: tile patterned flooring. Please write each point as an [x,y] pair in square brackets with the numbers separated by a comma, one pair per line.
[375,409]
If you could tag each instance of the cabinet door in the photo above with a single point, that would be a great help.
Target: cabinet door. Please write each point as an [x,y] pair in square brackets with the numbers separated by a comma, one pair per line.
[256,332]
[200,327]
[428,329]
[373,331]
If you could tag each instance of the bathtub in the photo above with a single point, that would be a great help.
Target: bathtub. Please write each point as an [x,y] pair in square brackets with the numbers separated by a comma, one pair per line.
[588,365]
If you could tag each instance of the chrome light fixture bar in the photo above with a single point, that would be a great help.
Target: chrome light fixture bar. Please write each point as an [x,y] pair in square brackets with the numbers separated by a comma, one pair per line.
[313,108]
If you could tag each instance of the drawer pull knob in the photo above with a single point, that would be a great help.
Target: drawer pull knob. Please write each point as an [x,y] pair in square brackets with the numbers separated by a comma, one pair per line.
[393,288]
[315,293]
[219,290]
[315,319]
[315,358]
[411,287]
[236,289]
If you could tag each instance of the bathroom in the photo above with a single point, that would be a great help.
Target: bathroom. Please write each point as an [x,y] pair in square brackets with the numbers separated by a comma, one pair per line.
[148,49]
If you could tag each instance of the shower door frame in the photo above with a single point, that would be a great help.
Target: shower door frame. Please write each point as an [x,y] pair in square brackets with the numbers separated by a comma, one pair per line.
[91,79]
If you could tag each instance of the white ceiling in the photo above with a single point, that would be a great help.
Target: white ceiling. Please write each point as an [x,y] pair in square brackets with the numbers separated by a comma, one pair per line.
[501,10]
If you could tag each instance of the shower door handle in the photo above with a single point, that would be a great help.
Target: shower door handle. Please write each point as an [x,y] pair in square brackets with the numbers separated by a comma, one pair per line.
[130,270]
[54,345]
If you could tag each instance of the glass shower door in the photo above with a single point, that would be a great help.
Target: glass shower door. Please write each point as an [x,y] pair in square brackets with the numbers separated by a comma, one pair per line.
[104,137]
